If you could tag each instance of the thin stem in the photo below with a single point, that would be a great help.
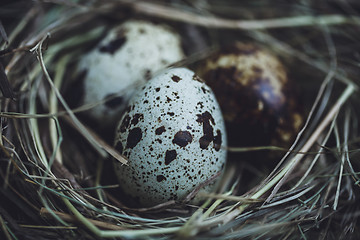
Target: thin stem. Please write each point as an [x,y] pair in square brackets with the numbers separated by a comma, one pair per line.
[174,14]
[117,233]
[327,120]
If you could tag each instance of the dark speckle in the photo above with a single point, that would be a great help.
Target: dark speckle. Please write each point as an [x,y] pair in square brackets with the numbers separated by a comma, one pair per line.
[205,118]
[137,117]
[204,90]
[142,31]
[171,114]
[160,178]
[257,69]
[160,130]
[134,137]
[182,138]
[201,104]
[119,147]
[175,78]
[125,123]
[113,46]
[217,140]
[170,156]
[157,89]
[147,74]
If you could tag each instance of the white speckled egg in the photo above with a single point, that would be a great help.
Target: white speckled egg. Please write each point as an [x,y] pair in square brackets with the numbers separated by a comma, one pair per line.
[130,54]
[173,134]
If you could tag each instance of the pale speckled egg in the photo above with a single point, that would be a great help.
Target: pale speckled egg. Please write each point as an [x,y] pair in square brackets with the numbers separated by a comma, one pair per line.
[256,96]
[173,134]
[128,56]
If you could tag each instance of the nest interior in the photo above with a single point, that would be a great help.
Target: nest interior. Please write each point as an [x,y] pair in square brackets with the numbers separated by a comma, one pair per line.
[56,166]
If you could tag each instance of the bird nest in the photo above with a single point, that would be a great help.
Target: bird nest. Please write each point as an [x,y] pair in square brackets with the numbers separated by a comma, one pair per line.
[57,179]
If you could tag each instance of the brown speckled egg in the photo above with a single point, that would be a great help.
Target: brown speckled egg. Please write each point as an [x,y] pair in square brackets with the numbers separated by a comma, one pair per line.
[256,97]
[172,133]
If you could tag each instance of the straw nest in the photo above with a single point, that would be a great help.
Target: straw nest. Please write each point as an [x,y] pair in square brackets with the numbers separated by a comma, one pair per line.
[55,168]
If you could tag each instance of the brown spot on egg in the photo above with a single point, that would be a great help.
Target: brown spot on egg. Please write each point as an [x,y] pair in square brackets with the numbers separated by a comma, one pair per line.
[171,114]
[205,117]
[134,137]
[147,74]
[142,30]
[160,178]
[136,118]
[175,78]
[113,45]
[205,141]
[257,69]
[125,123]
[182,138]
[160,130]
[157,89]
[201,104]
[208,135]
[205,90]
[119,147]
[217,140]
[170,156]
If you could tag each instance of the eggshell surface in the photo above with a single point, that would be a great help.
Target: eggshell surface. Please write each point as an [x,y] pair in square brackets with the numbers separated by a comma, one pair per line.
[173,135]
[256,96]
[128,56]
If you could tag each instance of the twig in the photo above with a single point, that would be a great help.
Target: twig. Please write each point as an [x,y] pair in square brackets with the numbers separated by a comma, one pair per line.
[174,14]
[117,233]
[109,149]
[69,218]
[327,120]
[101,149]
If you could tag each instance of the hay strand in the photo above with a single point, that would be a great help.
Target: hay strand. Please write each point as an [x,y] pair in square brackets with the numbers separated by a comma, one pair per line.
[55,164]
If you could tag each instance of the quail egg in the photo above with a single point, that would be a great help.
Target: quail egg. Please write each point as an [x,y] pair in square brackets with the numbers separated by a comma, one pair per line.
[173,135]
[256,96]
[128,56]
